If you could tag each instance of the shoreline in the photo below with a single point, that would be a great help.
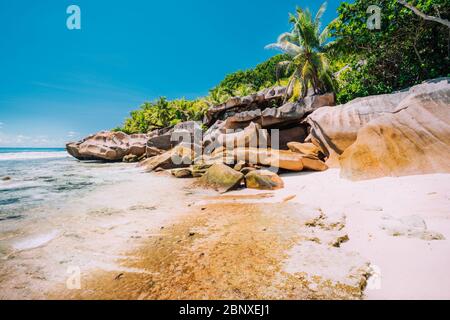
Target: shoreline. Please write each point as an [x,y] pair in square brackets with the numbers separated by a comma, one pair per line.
[320,237]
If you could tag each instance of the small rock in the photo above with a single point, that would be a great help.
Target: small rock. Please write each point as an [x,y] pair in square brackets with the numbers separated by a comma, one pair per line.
[221,178]
[239,166]
[182,173]
[119,276]
[130,158]
[263,180]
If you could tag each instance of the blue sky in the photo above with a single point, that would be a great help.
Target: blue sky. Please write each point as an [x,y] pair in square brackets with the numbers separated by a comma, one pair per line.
[58,85]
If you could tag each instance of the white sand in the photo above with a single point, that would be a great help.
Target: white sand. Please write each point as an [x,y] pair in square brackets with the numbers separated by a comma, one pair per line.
[94,231]
[407,267]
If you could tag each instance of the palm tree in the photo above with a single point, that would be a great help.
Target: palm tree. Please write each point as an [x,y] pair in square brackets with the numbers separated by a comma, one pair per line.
[306,45]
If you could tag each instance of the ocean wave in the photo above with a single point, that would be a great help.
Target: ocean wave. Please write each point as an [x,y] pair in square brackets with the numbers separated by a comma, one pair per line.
[33,155]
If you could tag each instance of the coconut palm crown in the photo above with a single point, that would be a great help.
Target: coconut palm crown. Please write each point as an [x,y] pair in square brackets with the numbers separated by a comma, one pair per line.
[305,44]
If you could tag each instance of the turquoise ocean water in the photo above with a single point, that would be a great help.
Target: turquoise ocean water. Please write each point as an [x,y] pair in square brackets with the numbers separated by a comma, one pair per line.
[31,178]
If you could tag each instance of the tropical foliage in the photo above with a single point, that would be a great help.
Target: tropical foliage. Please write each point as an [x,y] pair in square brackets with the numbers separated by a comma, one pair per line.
[242,83]
[305,44]
[163,113]
[406,51]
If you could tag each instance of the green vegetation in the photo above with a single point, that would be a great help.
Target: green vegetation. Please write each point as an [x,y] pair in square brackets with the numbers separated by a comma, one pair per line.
[406,51]
[246,82]
[163,113]
[306,45]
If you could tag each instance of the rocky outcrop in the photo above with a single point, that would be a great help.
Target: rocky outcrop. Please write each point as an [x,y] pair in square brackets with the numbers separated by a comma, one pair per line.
[334,129]
[221,178]
[286,119]
[108,146]
[166,139]
[263,99]
[263,180]
[414,139]
[178,157]
[290,113]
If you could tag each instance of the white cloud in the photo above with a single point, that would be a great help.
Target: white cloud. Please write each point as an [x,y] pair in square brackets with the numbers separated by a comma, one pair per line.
[21,140]
[72,134]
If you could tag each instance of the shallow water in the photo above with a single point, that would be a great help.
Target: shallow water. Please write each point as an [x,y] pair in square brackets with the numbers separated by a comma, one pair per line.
[38,184]
[48,177]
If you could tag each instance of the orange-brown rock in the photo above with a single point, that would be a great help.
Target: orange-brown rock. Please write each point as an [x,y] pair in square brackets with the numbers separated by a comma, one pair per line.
[313,163]
[334,129]
[221,178]
[263,180]
[282,159]
[304,148]
[415,139]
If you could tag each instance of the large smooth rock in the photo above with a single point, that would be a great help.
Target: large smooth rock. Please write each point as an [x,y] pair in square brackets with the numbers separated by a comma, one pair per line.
[281,159]
[414,139]
[178,157]
[334,129]
[108,146]
[263,180]
[221,178]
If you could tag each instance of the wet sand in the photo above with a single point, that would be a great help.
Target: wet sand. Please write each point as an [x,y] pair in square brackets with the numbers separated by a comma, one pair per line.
[318,238]
[222,250]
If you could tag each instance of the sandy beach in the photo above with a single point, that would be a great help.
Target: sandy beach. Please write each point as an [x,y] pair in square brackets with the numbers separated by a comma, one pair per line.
[321,237]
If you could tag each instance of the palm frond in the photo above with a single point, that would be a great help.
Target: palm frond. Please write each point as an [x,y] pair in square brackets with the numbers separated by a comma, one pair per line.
[282,66]
[286,47]
[320,13]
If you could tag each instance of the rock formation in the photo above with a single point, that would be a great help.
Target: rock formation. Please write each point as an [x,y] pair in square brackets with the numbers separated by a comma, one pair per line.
[108,146]
[166,139]
[263,99]
[414,139]
[334,129]
[402,133]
